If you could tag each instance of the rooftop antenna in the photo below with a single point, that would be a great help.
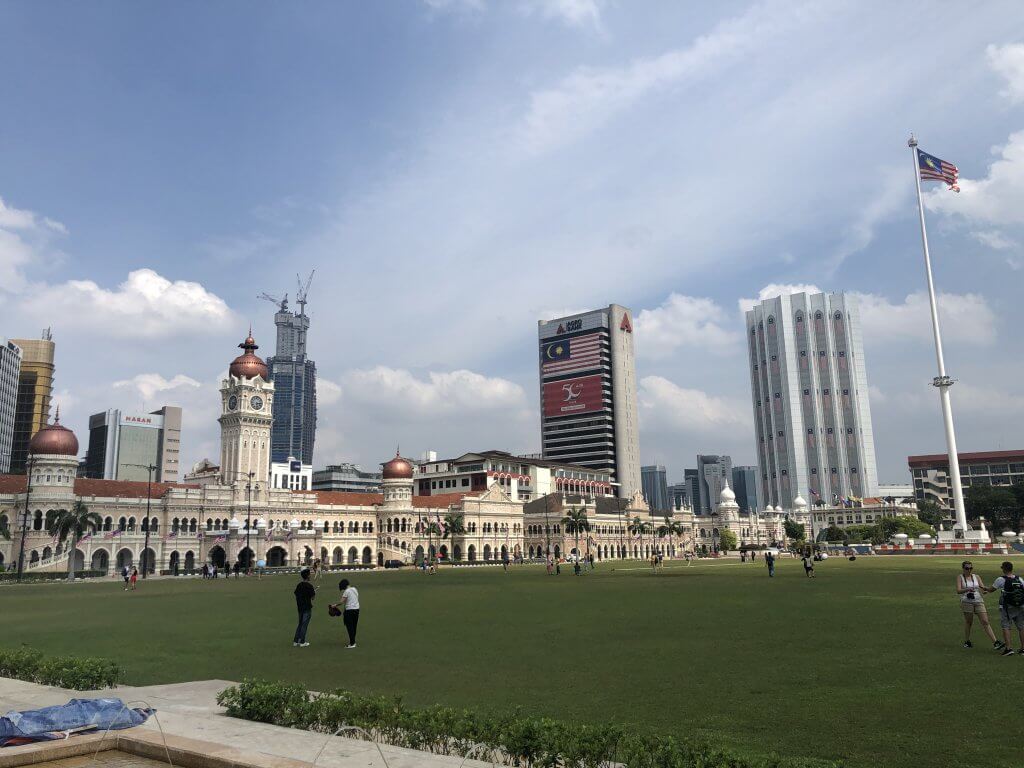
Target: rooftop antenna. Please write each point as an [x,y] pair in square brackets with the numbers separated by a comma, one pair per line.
[282,303]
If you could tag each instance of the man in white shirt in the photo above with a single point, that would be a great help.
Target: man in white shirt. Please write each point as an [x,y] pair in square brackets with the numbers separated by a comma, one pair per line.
[350,607]
[1011,612]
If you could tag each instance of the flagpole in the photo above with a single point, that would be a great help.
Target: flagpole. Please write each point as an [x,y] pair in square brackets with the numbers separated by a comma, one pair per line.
[942,381]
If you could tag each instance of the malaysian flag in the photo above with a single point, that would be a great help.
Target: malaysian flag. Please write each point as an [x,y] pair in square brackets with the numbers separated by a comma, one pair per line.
[220,539]
[580,353]
[933,169]
[112,534]
[171,535]
[85,538]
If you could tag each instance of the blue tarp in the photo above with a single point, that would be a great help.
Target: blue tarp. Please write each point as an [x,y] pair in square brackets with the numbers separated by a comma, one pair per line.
[53,722]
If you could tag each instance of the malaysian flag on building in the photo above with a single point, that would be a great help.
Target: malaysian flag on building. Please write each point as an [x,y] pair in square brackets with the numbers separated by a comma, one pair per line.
[579,353]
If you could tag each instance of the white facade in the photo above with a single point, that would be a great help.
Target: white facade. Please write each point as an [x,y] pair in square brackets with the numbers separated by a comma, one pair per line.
[810,399]
[292,475]
[588,394]
[10,370]
[245,423]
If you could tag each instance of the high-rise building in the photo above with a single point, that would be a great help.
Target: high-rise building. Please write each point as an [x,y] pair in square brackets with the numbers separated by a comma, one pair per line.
[346,477]
[588,394]
[713,472]
[745,486]
[294,377]
[35,388]
[655,487]
[10,369]
[810,396]
[679,495]
[990,468]
[122,445]
[691,479]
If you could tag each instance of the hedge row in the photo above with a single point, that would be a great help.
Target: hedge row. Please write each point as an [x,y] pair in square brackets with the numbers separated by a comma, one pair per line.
[48,575]
[511,739]
[76,673]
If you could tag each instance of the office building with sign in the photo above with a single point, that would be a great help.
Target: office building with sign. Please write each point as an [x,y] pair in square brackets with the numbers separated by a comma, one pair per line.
[291,475]
[122,444]
[588,394]
[10,370]
[809,390]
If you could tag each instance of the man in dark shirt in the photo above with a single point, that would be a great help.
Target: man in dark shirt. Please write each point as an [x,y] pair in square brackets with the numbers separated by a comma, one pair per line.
[304,594]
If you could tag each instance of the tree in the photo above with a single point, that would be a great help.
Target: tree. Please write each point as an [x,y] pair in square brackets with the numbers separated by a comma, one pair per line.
[930,513]
[73,523]
[861,534]
[794,530]
[670,529]
[727,540]
[889,526]
[1002,507]
[637,528]
[575,522]
[454,525]
[832,533]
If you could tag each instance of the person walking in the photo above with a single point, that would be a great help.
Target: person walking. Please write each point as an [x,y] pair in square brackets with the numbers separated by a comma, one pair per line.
[134,578]
[769,560]
[1011,606]
[550,565]
[304,594]
[126,574]
[350,609]
[970,588]
[808,561]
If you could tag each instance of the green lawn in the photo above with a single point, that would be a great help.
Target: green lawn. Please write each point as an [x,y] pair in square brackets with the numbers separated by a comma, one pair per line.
[864,662]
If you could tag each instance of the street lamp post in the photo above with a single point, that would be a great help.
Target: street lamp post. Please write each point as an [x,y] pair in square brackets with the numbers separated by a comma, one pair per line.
[150,468]
[24,517]
[547,525]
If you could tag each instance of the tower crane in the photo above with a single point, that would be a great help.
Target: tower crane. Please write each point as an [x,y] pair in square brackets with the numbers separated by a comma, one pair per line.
[282,304]
[303,290]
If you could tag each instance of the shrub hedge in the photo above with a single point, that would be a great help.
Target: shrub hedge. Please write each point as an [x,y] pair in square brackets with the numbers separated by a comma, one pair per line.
[74,672]
[511,738]
[48,575]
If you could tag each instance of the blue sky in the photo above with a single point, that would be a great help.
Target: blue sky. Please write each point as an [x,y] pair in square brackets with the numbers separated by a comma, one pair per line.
[456,170]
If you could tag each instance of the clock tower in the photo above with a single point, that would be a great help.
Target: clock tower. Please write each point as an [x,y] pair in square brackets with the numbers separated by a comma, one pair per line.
[247,399]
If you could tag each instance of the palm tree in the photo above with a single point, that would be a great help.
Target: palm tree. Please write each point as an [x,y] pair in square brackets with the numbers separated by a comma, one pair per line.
[73,523]
[638,528]
[671,528]
[454,525]
[575,522]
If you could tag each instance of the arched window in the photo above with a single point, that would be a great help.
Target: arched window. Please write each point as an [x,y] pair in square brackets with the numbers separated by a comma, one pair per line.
[209,523]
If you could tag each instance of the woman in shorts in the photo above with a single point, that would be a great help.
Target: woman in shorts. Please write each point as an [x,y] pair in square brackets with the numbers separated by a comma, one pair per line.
[970,588]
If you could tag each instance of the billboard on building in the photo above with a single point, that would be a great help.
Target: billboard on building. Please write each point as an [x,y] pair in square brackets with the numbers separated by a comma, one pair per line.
[574,396]
[588,321]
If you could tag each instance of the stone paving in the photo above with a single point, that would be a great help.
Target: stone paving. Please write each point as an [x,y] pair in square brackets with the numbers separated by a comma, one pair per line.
[190,711]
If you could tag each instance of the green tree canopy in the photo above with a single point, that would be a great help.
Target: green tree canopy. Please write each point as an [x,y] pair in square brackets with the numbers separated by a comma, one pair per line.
[930,513]
[727,540]
[794,530]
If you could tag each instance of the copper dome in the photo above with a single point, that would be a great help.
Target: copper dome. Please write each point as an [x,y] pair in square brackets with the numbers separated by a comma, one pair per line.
[398,469]
[248,365]
[54,439]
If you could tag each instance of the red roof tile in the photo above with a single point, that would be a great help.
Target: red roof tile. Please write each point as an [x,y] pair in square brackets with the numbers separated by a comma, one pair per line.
[13,483]
[88,486]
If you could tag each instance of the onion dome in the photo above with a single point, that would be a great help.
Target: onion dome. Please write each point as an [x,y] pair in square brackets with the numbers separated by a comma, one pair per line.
[233,524]
[54,440]
[727,496]
[248,365]
[778,509]
[397,469]
[769,510]
[799,503]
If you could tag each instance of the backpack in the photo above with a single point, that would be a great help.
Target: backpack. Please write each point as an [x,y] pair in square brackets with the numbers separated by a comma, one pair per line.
[1013,592]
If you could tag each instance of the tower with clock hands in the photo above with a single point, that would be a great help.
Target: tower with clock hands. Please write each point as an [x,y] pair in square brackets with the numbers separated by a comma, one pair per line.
[247,399]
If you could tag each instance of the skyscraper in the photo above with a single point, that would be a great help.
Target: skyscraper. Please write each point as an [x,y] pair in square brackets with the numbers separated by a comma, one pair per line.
[294,377]
[655,486]
[10,368]
[745,486]
[691,479]
[123,444]
[588,394]
[810,396]
[35,388]
[712,474]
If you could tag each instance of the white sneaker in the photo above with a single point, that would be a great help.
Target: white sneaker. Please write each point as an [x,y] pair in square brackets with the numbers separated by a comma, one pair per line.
[303,645]
[295,645]
[349,647]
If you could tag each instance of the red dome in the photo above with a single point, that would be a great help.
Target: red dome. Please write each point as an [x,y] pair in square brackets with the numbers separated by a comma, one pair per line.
[248,365]
[398,469]
[54,439]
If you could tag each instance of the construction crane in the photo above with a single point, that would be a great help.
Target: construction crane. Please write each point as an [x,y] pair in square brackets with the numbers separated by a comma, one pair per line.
[300,295]
[282,304]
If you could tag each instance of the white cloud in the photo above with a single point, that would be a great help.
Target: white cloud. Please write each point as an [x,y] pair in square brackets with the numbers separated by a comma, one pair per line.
[661,404]
[964,317]
[145,305]
[683,321]
[589,96]
[994,239]
[327,392]
[149,385]
[574,13]
[23,235]
[231,250]
[399,392]
[772,290]
[1008,61]
[996,199]
[970,398]
[887,197]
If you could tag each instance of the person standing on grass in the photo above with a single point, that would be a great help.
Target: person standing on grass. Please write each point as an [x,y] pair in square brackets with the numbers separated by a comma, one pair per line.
[970,587]
[1011,606]
[126,574]
[134,578]
[808,561]
[769,560]
[350,607]
[304,594]
[550,565]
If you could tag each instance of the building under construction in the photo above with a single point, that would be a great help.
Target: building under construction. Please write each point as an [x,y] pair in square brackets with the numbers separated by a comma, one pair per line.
[294,376]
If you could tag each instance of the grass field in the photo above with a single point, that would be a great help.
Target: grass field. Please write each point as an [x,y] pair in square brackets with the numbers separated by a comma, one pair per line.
[863,663]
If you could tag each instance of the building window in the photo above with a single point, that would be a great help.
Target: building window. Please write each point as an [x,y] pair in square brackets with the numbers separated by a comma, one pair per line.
[807,392]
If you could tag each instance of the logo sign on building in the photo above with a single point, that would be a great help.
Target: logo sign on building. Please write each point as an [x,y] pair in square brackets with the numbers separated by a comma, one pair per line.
[575,396]
[295,466]
[585,322]
[155,422]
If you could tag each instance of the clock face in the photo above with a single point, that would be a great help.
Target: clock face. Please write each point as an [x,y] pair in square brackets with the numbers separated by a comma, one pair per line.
[232,403]
[256,403]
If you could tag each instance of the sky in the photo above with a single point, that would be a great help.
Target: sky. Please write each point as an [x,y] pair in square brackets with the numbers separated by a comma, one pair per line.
[455,170]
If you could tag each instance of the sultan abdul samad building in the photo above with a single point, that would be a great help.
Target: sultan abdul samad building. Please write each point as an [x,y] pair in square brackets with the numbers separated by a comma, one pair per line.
[232,514]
